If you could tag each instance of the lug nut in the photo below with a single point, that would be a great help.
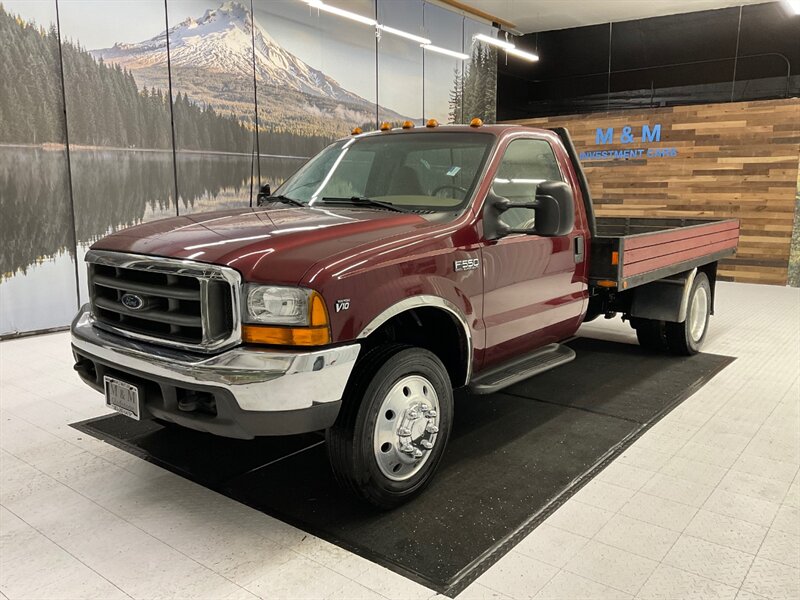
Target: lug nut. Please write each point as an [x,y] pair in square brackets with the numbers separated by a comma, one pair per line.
[426,444]
[412,414]
[430,414]
[417,453]
[407,449]
[431,428]
[404,432]
[424,408]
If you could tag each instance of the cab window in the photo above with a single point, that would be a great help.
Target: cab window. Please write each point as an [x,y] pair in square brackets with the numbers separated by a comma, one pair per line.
[525,164]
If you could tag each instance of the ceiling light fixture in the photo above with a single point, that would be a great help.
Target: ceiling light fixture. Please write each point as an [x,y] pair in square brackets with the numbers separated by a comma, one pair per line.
[794,5]
[493,41]
[404,34]
[445,51]
[422,41]
[522,54]
[319,5]
[509,47]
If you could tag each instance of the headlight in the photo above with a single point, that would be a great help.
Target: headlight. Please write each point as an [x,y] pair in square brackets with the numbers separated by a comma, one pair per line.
[277,305]
[293,316]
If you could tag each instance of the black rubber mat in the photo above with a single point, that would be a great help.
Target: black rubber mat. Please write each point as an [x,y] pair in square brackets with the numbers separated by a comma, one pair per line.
[513,458]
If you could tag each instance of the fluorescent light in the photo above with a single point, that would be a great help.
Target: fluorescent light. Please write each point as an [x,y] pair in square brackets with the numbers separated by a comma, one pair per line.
[318,4]
[445,51]
[521,54]
[494,41]
[404,34]
[794,5]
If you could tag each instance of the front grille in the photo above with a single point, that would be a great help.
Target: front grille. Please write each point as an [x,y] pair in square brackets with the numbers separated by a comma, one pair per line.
[179,303]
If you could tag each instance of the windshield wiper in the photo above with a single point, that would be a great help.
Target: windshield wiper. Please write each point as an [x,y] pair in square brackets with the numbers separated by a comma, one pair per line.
[284,199]
[363,200]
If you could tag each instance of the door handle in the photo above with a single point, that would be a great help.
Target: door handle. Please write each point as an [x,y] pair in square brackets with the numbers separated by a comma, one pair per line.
[579,249]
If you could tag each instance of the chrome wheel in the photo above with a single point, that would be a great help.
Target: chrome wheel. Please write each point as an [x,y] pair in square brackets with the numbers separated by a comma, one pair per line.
[406,428]
[698,313]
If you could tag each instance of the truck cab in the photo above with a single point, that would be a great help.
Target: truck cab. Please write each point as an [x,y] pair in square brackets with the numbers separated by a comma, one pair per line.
[392,268]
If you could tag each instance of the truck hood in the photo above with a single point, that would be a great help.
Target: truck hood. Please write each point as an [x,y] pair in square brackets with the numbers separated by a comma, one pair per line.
[265,245]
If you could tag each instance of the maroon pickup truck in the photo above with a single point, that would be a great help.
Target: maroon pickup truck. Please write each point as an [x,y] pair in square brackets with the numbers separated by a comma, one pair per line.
[392,268]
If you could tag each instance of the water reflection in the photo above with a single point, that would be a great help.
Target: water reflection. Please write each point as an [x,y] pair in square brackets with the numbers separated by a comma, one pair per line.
[111,190]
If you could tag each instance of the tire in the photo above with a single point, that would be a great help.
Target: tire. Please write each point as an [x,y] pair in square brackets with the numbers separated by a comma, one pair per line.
[687,338]
[369,451]
[651,334]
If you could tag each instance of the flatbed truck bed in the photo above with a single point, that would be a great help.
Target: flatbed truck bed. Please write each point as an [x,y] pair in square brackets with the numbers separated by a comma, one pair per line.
[630,252]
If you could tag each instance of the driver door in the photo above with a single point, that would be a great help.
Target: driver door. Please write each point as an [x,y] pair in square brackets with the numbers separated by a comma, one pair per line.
[532,296]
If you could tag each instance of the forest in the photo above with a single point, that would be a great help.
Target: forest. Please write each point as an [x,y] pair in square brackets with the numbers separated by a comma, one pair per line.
[474,90]
[104,104]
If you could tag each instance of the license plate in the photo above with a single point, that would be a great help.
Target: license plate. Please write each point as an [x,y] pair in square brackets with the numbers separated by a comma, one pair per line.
[123,397]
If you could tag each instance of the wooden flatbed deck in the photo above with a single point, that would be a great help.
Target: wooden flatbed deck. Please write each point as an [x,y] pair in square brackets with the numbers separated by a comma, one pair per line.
[628,252]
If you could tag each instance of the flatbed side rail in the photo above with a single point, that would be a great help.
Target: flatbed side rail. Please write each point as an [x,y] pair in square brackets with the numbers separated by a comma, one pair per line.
[632,252]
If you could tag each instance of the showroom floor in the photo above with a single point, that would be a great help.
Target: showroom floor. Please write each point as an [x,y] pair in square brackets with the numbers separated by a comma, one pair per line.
[705,505]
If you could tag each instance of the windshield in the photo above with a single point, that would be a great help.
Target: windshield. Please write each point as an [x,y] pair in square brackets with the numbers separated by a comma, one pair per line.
[426,170]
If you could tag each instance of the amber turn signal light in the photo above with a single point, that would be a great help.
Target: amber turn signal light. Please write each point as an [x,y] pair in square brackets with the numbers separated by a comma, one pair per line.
[317,333]
[476,122]
[385,126]
[356,131]
[432,123]
[286,336]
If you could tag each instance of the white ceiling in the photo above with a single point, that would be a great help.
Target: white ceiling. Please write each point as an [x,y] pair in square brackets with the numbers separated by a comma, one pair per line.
[544,15]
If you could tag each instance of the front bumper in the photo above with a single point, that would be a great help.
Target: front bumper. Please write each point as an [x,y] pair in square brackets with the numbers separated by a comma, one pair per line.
[243,392]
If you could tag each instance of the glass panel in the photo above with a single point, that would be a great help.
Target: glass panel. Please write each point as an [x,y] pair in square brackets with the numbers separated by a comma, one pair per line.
[118,115]
[480,74]
[443,74]
[525,164]
[426,170]
[316,80]
[400,70]
[37,263]
[211,58]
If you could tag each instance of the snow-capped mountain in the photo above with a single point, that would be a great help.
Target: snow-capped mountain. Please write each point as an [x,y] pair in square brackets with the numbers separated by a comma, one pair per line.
[221,43]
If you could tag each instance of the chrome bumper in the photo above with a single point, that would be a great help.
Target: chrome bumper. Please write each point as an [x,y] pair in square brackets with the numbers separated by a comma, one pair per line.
[259,380]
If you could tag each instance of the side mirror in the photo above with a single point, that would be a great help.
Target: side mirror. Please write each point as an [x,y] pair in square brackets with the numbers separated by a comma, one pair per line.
[263,193]
[555,214]
[553,206]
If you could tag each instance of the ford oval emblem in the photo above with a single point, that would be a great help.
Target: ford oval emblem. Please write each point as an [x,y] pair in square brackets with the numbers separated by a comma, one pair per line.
[132,301]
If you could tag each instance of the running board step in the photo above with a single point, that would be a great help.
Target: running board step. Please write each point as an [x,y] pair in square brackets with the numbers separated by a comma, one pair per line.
[528,365]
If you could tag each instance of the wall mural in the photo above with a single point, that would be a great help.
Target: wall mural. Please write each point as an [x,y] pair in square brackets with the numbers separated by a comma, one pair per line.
[37,259]
[257,87]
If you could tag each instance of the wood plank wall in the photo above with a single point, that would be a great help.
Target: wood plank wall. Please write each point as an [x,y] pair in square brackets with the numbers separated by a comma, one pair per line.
[733,160]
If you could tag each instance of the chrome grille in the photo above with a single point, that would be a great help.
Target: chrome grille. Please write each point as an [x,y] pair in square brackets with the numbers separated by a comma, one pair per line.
[168,301]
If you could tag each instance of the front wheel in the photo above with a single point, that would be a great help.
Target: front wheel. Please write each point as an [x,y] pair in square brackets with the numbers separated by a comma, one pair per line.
[687,338]
[393,426]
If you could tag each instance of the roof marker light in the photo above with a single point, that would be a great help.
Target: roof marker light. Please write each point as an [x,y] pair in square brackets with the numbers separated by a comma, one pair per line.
[432,123]
[476,122]
[408,124]
[385,126]
[356,131]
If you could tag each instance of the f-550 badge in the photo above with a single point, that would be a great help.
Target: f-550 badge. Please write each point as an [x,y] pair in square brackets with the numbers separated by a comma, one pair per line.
[467,264]
[343,304]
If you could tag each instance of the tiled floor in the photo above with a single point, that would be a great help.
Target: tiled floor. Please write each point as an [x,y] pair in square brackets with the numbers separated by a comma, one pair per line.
[705,505]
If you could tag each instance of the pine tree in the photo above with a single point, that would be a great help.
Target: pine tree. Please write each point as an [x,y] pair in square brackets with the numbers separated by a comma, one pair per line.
[455,103]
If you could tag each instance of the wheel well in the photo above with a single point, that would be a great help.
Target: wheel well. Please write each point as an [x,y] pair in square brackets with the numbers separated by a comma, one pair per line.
[711,272]
[431,328]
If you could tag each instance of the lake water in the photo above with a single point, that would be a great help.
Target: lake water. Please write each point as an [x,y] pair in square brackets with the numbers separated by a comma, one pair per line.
[111,190]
